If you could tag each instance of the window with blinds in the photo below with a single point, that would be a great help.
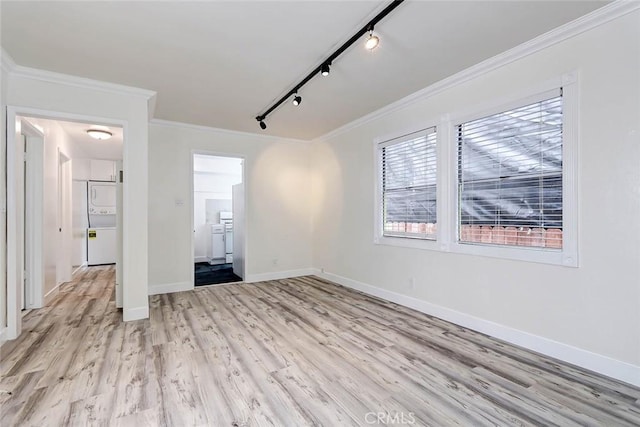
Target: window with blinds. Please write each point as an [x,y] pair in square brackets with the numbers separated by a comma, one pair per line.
[408,187]
[510,176]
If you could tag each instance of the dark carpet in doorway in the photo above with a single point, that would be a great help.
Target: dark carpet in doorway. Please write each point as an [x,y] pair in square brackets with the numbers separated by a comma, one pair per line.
[206,274]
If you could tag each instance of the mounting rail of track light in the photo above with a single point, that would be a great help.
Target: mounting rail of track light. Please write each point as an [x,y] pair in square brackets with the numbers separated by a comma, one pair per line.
[324,67]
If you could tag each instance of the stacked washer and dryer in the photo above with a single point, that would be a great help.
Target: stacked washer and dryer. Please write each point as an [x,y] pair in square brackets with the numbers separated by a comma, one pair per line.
[220,247]
[101,212]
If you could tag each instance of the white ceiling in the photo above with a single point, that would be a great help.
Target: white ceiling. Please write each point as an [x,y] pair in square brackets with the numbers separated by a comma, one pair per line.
[83,146]
[221,63]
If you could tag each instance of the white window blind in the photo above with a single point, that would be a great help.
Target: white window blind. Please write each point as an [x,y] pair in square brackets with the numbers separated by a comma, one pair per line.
[408,175]
[510,176]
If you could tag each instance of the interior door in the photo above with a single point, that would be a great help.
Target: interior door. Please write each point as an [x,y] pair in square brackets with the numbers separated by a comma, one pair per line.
[238,229]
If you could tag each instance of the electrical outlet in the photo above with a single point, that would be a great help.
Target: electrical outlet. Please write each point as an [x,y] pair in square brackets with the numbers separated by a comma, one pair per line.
[274,261]
[412,283]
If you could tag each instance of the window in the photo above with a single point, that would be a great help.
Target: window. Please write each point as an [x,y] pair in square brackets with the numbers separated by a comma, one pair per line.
[510,176]
[501,181]
[408,185]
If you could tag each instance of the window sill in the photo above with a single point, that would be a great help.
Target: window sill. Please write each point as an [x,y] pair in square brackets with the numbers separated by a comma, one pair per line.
[523,253]
[408,242]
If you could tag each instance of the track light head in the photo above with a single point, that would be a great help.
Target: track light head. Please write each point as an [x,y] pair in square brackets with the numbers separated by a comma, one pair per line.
[372,41]
[260,120]
[325,69]
[297,100]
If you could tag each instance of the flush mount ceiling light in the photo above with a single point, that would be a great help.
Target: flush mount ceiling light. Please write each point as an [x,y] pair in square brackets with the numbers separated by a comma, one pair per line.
[372,41]
[99,134]
[324,67]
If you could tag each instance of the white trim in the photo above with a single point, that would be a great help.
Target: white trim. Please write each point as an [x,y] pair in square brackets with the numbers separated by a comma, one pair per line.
[50,296]
[277,275]
[168,288]
[80,82]
[201,128]
[14,319]
[605,365]
[587,22]
[3,335]
[136,313]
[568,255]
[200,259]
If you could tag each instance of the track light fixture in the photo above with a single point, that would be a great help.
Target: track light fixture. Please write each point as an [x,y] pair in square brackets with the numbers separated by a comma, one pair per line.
[372,41]
[260,120]
[324,68]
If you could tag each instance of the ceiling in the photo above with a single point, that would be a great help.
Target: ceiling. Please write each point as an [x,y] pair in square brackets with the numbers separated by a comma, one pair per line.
[221,63]
[83,146]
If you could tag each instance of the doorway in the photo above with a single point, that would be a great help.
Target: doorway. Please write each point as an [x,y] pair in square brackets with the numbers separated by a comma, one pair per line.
[218,219]
[42,156]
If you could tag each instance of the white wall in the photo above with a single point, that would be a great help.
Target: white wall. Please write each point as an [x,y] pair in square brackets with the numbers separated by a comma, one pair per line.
[277,226]
[33,89]
[595,307]
[55,140]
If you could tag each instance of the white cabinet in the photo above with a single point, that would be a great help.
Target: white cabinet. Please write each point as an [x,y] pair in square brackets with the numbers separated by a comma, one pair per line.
[103,170]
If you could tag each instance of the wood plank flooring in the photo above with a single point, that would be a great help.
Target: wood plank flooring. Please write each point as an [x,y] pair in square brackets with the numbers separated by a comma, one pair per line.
[297,352]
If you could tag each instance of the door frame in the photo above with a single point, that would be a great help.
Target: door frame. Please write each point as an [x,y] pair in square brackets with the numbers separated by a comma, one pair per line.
[64,208]
[191,210]
[34,220]
[14,318]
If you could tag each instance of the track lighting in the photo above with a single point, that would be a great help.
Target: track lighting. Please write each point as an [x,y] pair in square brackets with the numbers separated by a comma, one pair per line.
[325,67]
[372,41]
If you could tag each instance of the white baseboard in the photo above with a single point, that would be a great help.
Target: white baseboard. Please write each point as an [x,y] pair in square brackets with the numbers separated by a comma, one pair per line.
[3,335]
[168,288]
[136,313]
[49,296]
[200,259]
[277,275]
[605,365]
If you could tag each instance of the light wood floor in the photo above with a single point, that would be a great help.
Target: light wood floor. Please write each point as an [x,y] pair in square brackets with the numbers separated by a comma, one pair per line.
[284,353]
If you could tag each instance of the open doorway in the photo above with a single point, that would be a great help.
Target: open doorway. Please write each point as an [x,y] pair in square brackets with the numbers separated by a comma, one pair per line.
[218,219]
[62,162]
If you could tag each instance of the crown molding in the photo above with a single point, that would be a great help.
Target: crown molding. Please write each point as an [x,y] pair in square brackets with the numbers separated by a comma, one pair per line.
[200,128]
[80,82]
[585,23]
[7,63]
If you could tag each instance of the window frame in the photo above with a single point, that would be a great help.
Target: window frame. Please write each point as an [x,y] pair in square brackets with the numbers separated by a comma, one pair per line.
[568,255]
[404,241]
[447,179]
